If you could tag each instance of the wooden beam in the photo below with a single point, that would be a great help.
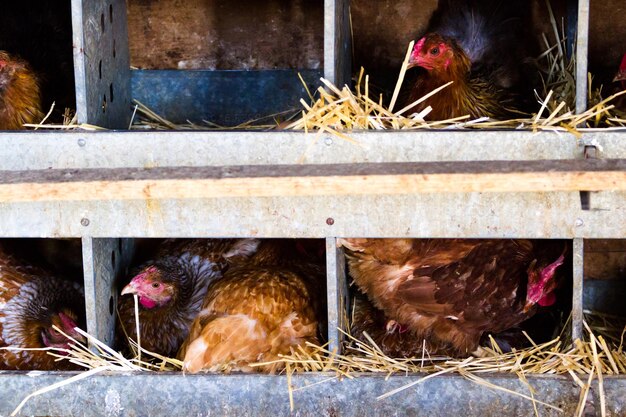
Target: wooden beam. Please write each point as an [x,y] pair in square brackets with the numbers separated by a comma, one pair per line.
[312,180]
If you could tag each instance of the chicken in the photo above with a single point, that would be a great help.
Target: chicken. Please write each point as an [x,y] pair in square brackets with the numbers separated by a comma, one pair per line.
[171,289]
[257,311]
[31,302]
[20,99]
[484,48]
[451,291]
[40,32]
[445,61]
[396,340]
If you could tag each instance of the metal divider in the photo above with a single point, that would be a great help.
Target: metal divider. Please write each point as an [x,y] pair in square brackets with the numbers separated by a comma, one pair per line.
[337,42]
[104,260]
[577,292]
[101,63]
[337,293]
[582,48]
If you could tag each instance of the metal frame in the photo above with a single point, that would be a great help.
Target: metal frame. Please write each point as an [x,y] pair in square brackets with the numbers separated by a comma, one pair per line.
[317,395]
[107,229]
[101,63]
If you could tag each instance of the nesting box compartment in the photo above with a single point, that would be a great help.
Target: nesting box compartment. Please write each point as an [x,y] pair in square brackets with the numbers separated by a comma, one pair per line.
[139,254]
[41,33]
[195,63]
[605,277]
[111,188]
[542,327]
[382,31]
[224,62]
[607,32]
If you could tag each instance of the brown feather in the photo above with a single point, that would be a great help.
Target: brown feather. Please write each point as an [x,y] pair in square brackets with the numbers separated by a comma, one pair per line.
[188,266]
[256,312]
[20,98]
[448,300]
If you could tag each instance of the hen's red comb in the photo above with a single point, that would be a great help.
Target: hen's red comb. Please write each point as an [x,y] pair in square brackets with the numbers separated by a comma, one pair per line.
[622,66]
[67,321]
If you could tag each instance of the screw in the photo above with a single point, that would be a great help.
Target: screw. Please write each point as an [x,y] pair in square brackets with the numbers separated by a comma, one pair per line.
[330,221]
[328,141]
[82,142]
[84,221]
[579,222]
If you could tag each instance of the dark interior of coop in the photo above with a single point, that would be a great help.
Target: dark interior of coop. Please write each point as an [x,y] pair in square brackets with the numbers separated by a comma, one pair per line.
[607,33]
[604,288]
[40,32]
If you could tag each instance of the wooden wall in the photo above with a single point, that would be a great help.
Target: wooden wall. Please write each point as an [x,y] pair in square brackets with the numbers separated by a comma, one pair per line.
[226,34]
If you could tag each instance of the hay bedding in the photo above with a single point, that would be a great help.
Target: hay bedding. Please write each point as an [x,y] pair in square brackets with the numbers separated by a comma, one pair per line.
[336,110]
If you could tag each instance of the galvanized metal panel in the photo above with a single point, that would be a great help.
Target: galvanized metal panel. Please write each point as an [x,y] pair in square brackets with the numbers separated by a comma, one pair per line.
[104,260]
[577,288]
[101,63]
[336,289]
[152,149]
[582,48]
[495,215]
[614,389]
[337,50]
[264,395]
[227,98]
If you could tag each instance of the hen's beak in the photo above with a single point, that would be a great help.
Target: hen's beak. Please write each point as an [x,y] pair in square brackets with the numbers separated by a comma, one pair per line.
[129,289]
[412,62]
[621,76]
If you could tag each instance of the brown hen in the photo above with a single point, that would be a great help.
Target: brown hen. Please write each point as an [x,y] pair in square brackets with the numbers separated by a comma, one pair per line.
[171,288]
[444,61]
[20,99]
[487,50]
[31,302]
[451,291]
[257,311]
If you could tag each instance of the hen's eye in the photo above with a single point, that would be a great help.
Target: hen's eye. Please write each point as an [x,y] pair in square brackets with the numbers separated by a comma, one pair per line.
[434,51]
[155,285]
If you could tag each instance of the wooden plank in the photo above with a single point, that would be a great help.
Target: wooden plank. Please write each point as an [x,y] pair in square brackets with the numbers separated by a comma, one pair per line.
[312,180]
[605,245]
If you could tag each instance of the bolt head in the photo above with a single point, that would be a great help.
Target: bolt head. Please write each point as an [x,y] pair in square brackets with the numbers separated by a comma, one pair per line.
[84,221]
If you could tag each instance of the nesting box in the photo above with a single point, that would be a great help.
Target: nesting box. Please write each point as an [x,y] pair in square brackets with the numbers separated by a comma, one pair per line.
[229,62]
